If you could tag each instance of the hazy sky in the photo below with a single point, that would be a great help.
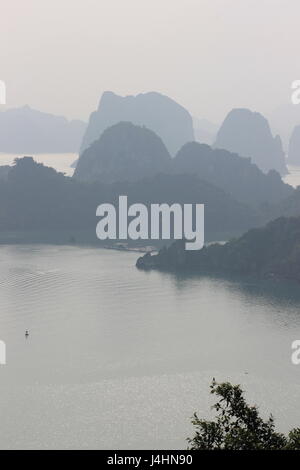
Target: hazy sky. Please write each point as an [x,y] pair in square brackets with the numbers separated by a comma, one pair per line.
[209,55]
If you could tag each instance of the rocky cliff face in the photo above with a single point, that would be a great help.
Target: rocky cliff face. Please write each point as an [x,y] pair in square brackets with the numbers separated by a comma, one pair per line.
[294,147]
[165,117]
[25,130]
[124,152]
[248,134]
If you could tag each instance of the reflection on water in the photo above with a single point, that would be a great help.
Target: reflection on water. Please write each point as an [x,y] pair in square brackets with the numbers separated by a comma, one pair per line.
[119,358]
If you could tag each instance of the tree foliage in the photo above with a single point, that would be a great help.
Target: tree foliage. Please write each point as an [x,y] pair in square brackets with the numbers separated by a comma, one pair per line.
[238,426]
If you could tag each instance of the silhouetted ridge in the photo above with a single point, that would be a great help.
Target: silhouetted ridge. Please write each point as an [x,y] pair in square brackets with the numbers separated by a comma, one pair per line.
[248,134]
[269,252]
[237,176]
[25,130]
[158,112]
[124,152]
[35,197]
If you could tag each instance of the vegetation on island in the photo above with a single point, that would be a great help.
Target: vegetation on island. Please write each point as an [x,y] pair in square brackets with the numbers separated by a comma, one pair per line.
[272,252]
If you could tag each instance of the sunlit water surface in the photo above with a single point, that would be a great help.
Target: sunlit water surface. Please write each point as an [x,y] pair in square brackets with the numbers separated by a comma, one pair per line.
[120,358]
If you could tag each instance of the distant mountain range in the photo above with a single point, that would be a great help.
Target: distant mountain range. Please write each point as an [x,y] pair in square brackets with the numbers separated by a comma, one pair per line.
[131,159]
[243,132]
[126,152]
[25,130]
[28,131]
[169,120]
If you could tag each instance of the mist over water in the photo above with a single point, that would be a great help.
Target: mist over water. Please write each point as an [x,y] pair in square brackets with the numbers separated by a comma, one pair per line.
[293,178]
[60,162]
[63,162]
[119,358]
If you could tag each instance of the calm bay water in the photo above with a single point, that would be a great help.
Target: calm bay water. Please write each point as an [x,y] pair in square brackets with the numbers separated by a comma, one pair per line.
[119,358]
